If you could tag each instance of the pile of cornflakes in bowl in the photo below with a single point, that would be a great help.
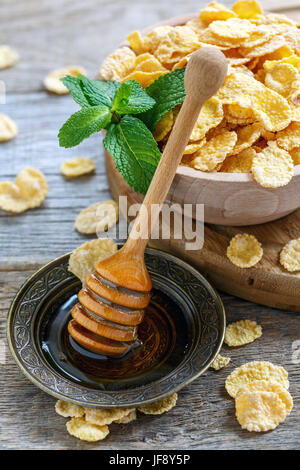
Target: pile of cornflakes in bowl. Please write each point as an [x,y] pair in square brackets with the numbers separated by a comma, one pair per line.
[253,123]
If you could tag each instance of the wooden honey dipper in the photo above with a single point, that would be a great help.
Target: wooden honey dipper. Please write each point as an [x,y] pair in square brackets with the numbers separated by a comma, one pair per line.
[112,304]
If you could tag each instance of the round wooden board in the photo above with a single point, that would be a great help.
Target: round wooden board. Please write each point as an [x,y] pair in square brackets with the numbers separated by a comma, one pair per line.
[267,283]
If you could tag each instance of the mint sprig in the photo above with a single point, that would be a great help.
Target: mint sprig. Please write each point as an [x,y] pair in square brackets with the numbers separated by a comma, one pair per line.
[82,124]
[135,151]
[129,114]
[132,99]
[99,92]
[74,86]
[87,92]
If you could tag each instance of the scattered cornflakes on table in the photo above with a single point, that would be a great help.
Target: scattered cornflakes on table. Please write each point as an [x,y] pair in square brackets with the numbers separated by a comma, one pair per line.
[91,424]
[244,250]
[262,405]
[27,191]
[252,371]
[159,407]
[78,166]
[82,260]
[220,362]
[53,83]
[8,128]
[290,255]
[128,418]
[8,57]
[82,429]
[103,416]
[69,410]
[242,332]
[98,217]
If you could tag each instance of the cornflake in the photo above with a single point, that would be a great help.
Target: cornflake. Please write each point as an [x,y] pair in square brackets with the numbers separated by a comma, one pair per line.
[138,43]
[220,362]
[53,83]
[194,146]
[240,163]
[259,36]
[292,59]
[164,126]
[159,407]
[210,116]
[261,406]
[252,371]
[28,191]
[237,114]
[8,128]
[273,167]
[118,64]
[147,69]
[246,136]
[215,11]
[8,57]
[285,79]
[242,332]
[290,255]
[233,28]
[295,154]
[249,9]
[85,431]
[244,250]
[69,410]
[214,151]
[268,107]
[102,416]
[289,138]
[176,44]
[127,419]
[274,18]
[196,25]
[98,217]
[77,167]
[272,45]
[270,386]
[82,260]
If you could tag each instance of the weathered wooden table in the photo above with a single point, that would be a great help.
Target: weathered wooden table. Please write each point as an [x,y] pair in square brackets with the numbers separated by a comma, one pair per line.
[53,33]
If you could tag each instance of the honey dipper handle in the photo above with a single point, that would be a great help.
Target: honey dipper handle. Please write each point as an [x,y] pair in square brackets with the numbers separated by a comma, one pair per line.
[205,74]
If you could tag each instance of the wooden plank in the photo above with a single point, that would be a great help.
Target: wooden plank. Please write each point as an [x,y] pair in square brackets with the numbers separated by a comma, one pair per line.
[28,419]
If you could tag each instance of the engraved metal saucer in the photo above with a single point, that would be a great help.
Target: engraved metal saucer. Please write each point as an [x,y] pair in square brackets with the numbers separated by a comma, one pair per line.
[193,327]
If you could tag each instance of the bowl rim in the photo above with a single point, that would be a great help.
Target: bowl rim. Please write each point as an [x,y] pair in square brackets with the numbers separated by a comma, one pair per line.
[186,171]
[175,387]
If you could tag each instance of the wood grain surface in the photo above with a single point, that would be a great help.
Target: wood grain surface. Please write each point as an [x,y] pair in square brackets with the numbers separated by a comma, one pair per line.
[49,34]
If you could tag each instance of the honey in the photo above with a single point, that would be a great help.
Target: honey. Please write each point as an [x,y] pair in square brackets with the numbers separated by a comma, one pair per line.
[164,337]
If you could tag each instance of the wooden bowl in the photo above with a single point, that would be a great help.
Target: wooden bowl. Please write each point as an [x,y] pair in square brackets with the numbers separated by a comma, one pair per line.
[229,198]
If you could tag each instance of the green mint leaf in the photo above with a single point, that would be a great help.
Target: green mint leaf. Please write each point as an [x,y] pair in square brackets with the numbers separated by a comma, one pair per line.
[99,92]
[132,99]
[167,91]
[134,151]
[82,124]
[74,86]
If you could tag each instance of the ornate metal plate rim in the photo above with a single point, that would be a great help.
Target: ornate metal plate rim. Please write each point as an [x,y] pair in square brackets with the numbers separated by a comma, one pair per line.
[93,397]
